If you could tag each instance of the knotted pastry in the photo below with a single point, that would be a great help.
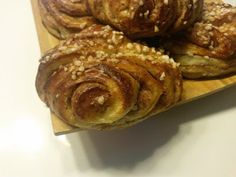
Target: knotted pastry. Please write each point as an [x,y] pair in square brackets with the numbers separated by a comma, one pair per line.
[63,17]
[208,49]
[98,79]
[146,18]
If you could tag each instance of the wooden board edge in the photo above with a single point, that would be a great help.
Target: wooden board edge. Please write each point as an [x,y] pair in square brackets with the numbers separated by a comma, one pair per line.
[67,129]
[63,128]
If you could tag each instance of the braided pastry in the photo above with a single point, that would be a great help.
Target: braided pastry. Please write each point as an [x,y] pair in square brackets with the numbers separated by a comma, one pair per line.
[63,17]
[99,79]
[146,18]
[208,49]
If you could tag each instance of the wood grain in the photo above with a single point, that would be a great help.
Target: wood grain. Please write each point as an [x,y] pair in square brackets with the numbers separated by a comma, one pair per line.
[192,89]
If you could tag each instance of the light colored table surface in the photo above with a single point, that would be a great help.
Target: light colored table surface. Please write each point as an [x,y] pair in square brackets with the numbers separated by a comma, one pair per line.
[193,140]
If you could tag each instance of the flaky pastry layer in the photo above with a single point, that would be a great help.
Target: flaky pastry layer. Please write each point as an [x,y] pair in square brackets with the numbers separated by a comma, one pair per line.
[99,79]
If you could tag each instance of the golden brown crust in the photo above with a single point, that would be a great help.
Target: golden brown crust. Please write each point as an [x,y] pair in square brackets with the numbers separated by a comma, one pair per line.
[99,79]
[188,12]
[60,22]
[146,18]
[137,19]
[195,67]
[213,39]
[216,32]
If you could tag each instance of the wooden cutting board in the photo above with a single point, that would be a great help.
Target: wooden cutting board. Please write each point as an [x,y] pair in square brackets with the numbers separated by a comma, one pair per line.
[192,89]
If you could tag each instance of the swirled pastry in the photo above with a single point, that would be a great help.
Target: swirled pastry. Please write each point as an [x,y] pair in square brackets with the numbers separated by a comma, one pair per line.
[146,18]
[73,7]
[64,17]
[99,79]
[208,48]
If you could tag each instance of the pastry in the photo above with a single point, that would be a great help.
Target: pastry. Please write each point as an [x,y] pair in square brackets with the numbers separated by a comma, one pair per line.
[99,79]
[65,17]
[208,48]
[146,18]
[73,7]
[136,18]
